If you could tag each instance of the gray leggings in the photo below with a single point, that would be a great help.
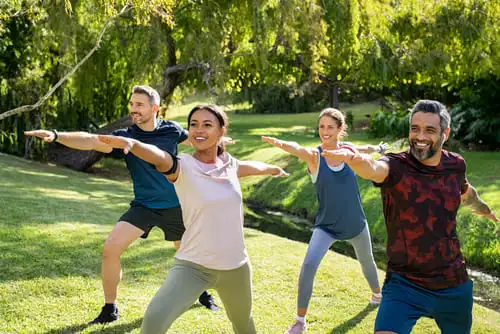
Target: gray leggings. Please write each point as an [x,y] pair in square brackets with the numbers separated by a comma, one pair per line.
[184,283]
[319,245]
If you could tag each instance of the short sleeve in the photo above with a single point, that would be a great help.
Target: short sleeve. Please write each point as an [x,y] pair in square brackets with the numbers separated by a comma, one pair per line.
[235,163]
[395,170]
[463,182]
[183,133]
[184,161]
[347,143]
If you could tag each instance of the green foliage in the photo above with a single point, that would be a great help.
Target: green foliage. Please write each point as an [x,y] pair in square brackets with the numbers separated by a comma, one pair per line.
[278,99]
[393,124]
[349,119]
[412,49]
[475,119]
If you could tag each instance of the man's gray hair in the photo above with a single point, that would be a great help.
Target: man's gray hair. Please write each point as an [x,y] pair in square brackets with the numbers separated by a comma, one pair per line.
[154,97]
[434,107]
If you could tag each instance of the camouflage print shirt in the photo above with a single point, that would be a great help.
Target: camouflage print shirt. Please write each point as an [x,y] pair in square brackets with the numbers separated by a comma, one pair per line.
[420,206]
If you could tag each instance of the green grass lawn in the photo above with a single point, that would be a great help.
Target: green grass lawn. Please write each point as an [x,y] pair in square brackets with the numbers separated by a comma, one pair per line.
[53,224]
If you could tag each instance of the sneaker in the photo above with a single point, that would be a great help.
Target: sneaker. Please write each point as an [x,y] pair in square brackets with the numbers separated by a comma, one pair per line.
[109,313]
[375,299]
[297,328]
[207,300]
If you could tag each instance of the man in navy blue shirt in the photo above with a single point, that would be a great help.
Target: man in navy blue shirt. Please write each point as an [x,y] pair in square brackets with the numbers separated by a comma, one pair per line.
[155,201]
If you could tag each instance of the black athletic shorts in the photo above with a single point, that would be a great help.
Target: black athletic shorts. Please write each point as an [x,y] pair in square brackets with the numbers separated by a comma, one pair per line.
[169,220]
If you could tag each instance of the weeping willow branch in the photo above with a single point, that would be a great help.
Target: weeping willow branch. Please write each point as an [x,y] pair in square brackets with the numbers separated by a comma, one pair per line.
[30,107]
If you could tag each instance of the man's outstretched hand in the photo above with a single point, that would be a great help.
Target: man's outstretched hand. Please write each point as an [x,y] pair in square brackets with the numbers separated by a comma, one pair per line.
[48,136]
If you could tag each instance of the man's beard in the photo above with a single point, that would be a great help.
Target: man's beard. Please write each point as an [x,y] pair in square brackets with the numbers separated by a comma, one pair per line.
[139,119]
[424,154]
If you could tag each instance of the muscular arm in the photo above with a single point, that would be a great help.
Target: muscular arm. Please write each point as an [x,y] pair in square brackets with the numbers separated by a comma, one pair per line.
[78,140]
[471,199]
[362,164]
[162,160]
[308,155]
[380,148]
[82,141]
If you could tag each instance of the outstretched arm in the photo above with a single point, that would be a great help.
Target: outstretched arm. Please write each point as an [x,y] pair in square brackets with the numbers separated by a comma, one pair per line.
[162,160]
[308,155]
[251,168]
[362,164]
[380,148]
[78,140]
[471,199]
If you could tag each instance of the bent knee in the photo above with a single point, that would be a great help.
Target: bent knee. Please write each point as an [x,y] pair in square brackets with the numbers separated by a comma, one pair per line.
[112,248]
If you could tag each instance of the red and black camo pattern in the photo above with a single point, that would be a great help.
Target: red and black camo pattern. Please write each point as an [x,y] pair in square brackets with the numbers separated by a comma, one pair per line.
[420,206]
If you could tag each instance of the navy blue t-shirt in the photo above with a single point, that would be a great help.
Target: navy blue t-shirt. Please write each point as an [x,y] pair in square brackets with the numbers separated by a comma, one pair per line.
[151,188]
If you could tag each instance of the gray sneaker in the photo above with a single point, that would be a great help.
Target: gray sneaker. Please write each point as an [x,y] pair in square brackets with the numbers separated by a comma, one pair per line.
[297,328]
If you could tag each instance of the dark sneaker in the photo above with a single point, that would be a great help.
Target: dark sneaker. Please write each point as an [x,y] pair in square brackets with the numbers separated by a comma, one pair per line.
[207,300]
[109,313]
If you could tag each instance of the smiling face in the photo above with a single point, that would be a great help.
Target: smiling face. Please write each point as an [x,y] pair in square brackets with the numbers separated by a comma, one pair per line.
[205,131]
[426,137]
[141,110]
[329,130]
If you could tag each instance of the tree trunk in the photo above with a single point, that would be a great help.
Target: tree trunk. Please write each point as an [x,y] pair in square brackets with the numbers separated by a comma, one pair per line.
[333,96]
[83,160]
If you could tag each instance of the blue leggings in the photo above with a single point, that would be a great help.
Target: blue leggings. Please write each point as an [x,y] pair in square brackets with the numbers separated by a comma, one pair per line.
[318,246]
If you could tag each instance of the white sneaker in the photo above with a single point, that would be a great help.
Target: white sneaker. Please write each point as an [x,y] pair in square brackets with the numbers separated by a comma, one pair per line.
[297,328]
[376,299]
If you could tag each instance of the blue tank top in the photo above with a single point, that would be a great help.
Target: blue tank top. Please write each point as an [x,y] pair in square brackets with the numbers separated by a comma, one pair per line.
[339,211]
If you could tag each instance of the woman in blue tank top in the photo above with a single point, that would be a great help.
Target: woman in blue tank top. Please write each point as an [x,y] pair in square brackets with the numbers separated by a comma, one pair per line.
[340,215]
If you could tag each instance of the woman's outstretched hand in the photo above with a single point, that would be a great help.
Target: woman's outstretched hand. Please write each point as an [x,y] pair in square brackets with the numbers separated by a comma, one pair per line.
[280,172]
[273,141]
[228,140]
[126,144]
[345,153]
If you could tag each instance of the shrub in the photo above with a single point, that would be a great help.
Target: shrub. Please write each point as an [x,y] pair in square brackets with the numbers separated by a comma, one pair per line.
[475,119]
[276,99]
[394,124]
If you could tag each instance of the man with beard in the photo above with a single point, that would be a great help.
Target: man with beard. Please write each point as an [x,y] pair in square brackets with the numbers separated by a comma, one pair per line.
[421,193]
[155,201]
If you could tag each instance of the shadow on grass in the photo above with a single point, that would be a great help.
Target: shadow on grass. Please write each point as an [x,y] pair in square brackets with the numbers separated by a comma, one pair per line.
[51,257]
[121,328]
[347,325]
[94,329]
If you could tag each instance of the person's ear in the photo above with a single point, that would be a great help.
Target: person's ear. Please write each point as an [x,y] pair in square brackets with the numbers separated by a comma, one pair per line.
[446,134]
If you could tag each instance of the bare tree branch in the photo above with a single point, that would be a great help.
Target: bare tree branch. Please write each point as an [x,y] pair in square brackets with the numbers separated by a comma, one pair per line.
[29,107]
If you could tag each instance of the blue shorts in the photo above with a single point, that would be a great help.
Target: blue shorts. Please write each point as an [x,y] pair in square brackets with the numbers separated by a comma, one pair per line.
[403,303]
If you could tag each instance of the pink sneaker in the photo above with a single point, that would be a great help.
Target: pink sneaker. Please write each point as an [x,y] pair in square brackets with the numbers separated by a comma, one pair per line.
[297,328]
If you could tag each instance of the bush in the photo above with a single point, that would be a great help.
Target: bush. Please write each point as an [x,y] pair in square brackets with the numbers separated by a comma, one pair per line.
[393,124]
[475,119]
[349,119]
[277,99]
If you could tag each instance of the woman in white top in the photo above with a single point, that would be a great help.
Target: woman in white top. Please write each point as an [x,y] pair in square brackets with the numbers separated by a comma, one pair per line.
[212,253]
